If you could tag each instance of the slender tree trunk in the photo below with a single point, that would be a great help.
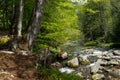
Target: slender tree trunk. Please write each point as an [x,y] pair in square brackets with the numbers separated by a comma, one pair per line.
[17,23]
[20,15]
[33,25]
[17,19]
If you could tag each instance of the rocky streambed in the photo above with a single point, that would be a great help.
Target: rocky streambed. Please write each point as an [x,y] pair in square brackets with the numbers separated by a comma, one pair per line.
[91,64]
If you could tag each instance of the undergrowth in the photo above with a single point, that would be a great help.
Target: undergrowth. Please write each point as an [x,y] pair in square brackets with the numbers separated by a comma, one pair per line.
[48,74]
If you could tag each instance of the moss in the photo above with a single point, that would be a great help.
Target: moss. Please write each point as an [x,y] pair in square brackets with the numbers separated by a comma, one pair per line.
[4,40]
[94,77]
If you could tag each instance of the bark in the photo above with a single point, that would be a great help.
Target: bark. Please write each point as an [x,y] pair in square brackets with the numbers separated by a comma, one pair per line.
[20,15]
[17,19]
[33,25]
[16,28]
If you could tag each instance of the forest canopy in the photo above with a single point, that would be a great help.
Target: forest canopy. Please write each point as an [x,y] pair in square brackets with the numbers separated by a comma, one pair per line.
[61,21]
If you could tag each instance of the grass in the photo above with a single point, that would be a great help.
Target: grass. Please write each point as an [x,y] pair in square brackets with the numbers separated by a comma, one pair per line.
[90,43]
[48,74]
[106,44]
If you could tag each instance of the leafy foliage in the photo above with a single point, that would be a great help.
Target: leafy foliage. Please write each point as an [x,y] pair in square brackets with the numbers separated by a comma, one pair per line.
[4,40]
[95,20]
[59,24]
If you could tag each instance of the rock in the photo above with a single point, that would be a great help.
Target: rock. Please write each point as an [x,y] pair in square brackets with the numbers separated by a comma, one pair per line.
[115,73]
[73,63]
[96,66]
[66,70]
[56,65]
[83,60]
[116,52]
[109,54]
[113,62]
[104,62]
[94,77]
[109,57]
[63,55]
[97,77]
[89,51]
[79,74]
[92,59]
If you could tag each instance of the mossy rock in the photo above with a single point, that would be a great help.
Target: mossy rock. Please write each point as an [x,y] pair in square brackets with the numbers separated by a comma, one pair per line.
[94,77]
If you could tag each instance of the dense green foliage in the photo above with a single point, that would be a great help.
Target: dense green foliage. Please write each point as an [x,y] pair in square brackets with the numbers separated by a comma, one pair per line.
[8,12]
[116,20]
[59,24]
[95,20]
[99,21]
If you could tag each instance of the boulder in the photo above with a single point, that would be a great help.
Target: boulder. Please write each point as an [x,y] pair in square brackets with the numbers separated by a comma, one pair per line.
[73,63]
[79,74]
[56,65]
[83,60]
[114,73]
[116,52]
[92,59]
[113,62]
[96,66]
[63,55]
[109,54]
[97,77]
[89,51]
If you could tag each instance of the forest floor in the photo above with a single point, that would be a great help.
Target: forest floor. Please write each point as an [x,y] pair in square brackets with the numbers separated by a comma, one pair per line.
[17,67]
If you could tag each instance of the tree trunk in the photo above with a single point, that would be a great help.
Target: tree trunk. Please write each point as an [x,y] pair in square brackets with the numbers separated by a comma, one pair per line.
[20,15]
[16,28]
[33,25]
[17,19]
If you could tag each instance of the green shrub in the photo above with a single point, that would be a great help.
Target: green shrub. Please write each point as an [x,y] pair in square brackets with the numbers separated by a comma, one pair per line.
[4,40]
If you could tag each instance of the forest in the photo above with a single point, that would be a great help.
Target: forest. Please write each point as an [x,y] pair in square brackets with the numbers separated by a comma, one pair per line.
[45,30]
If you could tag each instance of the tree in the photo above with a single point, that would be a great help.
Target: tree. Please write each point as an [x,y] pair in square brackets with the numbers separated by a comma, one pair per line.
[18,15]
[5,14]
[59,24]
[33,25]
[116,20]
[19,25]
[96,20]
